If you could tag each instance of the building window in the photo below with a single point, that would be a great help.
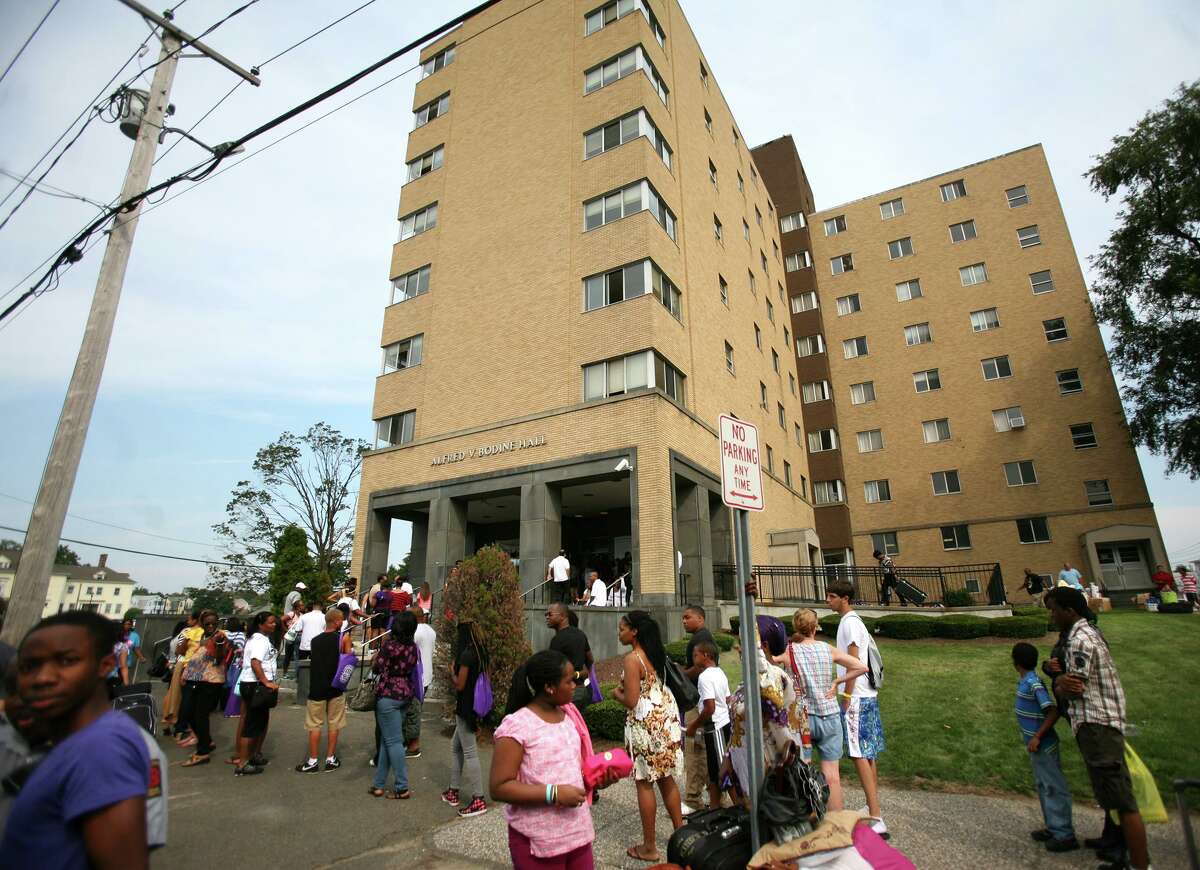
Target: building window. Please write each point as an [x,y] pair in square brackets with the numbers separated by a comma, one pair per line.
[718,230]
[828,492]
[639,196]
[629,282]
[900,248]
[741,182]
[770,459]
[892,208]
[797,261]
[1069,381]
[1020,473]
[737,140]
[411,285]
[976,273]
[775,360]
[793,221]
[917,333]
[1017,196]
[787,472]
[610,12]
[886,543]
[426,163]
[996,367]
[643,369]
[757,216]
[822,440]
[707,121]
[70,589]
[808,345]
[936,430]
[875,491]
[1027,237]
[907,290]
[1006,419]
[799,434]
[1097,492]
[1033,530]
[419,221]
[1083,436]
[844,263]
[624,64]
[712,176]
[804,302]
[815,391]
[762,259]
[870,441]
[835,225]
[781,415]
[926,381]
[729,366]
[757,337]
[402,355]
[962,232]
[703,75]
[956,538]
[396,429]
[953,190]
[848,304]
[1055,329]
[724,285]
[1041,282]
[753,171]
[946,482]
[762,395]
[439,61]
[745,230]
[984,319]
[854,347]
[626,129]
[862,393]
[432,109]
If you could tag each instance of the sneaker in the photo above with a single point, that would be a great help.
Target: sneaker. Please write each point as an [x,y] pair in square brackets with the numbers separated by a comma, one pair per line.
[686,810]
[372,761]
[450,796]
[332,763]
[475,808]
[1041,835]
[259,760]
[248,770]
[412,753]
[879,826]
[1100,842]
[1068,845]
[311,766]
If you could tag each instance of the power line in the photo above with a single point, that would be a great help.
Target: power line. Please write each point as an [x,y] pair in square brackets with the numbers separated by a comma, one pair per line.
[145,553]
[315,33]
[122,528]
[51,190]
[25,44]
[190,42]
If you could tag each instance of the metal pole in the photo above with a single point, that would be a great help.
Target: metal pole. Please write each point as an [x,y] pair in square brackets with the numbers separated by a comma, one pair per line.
[754,732]
[58,477]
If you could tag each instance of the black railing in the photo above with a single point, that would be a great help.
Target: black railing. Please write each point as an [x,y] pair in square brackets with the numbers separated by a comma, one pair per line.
[787,583]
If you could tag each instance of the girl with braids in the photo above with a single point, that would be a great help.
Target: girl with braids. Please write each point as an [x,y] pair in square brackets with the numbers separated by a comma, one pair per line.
[652,733]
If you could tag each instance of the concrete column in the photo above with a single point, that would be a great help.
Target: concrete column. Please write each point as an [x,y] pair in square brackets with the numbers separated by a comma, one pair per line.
[693,539]
[446,539]
[418,549]
[375,547]
[541,531]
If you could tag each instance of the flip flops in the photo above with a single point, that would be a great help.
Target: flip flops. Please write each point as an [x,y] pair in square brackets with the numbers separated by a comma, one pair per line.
[195,761]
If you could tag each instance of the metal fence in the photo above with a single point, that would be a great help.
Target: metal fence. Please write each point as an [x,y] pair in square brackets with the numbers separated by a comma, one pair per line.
[787,583]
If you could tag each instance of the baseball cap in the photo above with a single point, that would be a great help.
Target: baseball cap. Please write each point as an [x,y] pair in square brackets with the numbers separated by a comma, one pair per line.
[301,586]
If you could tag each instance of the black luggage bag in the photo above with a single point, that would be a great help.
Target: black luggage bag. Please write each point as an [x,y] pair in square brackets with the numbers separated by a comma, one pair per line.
[1178,607]
[137,701]
[712,840]
[910,593]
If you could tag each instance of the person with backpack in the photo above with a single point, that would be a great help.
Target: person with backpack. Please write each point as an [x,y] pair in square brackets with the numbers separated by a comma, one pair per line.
[470,659]
[860,701]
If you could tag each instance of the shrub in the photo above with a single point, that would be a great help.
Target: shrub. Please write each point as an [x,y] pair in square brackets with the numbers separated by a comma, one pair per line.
[906,626]
[1039,612]
[958,598]
[829,624]
[677,651]
[724,641]
[606,719]
[960,627]
[1017,626]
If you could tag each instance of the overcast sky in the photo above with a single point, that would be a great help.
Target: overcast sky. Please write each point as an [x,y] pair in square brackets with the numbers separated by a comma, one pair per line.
[253,304]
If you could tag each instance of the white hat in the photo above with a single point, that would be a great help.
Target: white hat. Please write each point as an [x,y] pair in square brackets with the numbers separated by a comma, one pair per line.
[301,586]
[406,587]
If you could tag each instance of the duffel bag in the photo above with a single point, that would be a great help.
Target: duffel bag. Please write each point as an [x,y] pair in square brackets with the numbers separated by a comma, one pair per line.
[712,840]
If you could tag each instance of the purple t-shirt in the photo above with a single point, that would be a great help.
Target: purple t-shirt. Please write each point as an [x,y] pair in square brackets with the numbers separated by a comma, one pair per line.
[97,767]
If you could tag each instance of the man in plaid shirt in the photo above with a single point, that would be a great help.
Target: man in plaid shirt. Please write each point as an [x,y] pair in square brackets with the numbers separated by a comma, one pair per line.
[1096,707]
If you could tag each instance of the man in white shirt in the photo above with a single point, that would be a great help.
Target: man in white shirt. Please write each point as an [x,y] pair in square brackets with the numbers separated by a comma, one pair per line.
[559,571]
[311,624]
[424,638]
[599,592]
[859,702]
[289,603]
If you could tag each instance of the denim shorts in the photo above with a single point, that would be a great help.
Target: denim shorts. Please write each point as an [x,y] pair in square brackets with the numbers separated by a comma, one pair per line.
[826,735]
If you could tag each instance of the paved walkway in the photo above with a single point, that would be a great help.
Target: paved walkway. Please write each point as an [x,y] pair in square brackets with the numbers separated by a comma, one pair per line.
[327,820]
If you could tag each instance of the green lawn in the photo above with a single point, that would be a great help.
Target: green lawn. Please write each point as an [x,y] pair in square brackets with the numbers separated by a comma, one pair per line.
[947,706]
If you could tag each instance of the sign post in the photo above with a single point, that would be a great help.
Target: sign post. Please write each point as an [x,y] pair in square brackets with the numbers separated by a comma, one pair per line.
[741,489]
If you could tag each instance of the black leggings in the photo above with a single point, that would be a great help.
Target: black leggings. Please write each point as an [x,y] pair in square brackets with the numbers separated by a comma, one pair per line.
[187,704]
[206,697]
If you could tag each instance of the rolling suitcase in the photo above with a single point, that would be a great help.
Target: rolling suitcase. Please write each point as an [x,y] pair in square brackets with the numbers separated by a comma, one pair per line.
[910,593]
[137,701]
[712,840]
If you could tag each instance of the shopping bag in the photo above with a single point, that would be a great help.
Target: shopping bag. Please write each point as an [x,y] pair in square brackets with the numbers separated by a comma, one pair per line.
[597,697]
[1149,801]
[345,671]
[483,701]
[419,680]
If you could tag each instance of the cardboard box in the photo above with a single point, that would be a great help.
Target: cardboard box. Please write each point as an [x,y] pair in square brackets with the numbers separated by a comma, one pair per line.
[1141,599]
[1099,604]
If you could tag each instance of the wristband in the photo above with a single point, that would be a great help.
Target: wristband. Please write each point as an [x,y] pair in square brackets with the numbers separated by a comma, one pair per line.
[549,794]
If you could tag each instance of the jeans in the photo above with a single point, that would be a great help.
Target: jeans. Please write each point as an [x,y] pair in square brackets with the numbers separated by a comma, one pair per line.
[1053,793]
[389,713]
[465,757]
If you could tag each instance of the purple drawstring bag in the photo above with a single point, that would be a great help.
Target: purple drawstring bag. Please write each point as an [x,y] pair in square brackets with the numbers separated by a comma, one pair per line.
[419,680]
[597,697]
[483,695]
[233,706]
[345,671]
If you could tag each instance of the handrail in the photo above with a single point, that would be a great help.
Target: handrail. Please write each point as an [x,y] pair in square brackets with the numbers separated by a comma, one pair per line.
[367,643]
[535,588]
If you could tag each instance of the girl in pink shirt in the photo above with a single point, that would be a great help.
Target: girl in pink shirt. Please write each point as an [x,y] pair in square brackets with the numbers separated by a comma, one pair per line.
[537,769]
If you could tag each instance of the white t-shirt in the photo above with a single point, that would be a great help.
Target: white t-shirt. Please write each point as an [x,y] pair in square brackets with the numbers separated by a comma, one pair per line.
[311,624]
[713,683]
[599,594]
[852,630]
[258,647]
[425,638]
[352,603]
[560,569]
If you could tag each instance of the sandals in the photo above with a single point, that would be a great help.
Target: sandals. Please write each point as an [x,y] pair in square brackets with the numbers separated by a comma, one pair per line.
[633,852]
[195,761]
[399,795]
[376,792]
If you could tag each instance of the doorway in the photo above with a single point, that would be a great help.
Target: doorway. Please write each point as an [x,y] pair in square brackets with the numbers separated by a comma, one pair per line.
[1123,566]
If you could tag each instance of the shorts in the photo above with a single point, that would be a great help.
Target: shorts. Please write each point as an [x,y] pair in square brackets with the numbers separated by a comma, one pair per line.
[332,712]
[864,729]
[1191,596]
[254,720]
[412,720]
[1103,751]
[827,735]
[716,747]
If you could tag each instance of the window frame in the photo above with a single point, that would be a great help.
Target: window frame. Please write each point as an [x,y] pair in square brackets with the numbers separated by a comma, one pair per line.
[1077,436]
[872,438]
[434,105]
[1033,285]
[895,213]
[966,229]
[821,437]
[957,534]
[1029,240]
[882,491]
[649,200]
[1016,470]
[963,274]
[1009,418]
[795,219]
[1020,199]
[939,424]
[1077,379]
[414,276]
[853,304]
[865,387]
[805,296]
[1034,530]
[798,259]
[835,225]
[1052,332]
[899,252]
[945,473]
[908,286]
[845,261]
[922,334]
[399,422]
[420,216]
[931,377]
[821,388]
[1091,493]
[414,354]
[887,543]
[996,362]
[439,61]
[853,348]
[424,164]
[953,190]
[985,323]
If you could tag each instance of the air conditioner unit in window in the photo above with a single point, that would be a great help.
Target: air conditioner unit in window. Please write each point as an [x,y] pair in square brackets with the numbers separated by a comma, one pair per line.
[1017,422]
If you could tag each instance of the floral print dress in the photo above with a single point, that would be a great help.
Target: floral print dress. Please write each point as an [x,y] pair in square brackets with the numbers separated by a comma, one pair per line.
[652,731]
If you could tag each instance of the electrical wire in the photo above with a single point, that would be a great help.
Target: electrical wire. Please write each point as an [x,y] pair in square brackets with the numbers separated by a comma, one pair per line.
[192,41]
[315,34]
[25,44]
[51,190]
[121,528]
[145,553]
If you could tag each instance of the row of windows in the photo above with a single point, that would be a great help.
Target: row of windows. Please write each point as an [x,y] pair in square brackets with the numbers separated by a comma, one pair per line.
[984,320]
[1097,492]
[600,18]
[639,196]
[1027,237]
[1083,435]
[1015,196]
[1030,530]
[993,368]
[624,64]
[626,129]
[628,282]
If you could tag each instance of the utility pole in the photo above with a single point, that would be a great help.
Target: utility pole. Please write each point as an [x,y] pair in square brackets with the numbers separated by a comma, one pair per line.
[32,579]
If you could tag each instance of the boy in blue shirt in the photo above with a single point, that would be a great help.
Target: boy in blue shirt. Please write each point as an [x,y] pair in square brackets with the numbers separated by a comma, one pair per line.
[1036,715]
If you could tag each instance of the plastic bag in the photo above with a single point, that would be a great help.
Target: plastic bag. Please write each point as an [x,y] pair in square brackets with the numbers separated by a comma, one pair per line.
[483,700]
[1149,801]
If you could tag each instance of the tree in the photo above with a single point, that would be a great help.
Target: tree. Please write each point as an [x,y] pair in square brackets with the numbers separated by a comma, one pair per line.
[301,480]
[141,590]
[1149,275]
[133,613]
[218,600]
[292,565]
[66,556]
[9,544]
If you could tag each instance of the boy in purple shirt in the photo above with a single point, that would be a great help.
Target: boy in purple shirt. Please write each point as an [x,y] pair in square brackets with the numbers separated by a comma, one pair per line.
[85,804]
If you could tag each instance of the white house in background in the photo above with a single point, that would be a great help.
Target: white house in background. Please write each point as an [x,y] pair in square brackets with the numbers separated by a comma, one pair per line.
[157,603]
[76,587]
